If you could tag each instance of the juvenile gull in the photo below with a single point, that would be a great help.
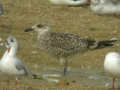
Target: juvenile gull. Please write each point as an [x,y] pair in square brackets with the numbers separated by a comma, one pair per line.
[10,64]
[112,65]
[63,45]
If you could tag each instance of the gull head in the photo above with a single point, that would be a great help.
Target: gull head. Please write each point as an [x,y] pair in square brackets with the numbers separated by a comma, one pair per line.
[11,42]
[38,28]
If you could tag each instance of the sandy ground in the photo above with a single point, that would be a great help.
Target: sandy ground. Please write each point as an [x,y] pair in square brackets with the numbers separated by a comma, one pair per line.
[21,14]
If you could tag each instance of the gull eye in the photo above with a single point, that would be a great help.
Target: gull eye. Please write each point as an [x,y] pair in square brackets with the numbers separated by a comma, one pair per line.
[12,40]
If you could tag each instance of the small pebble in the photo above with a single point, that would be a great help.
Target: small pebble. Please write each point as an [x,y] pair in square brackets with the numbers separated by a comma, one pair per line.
[1,44]
[67,83]
[114,38]
[34,52]
[0,39]
[36,66]
[73,81]
[107,84]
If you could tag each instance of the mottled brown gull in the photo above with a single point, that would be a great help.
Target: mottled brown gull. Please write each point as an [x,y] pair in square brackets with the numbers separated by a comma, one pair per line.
[63,45]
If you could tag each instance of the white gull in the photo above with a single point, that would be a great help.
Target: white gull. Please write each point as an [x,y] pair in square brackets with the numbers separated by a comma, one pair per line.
[10,64]
[112,65]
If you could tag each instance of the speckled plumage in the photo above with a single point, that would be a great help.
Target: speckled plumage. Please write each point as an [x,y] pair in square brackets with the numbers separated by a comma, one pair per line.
[62,45]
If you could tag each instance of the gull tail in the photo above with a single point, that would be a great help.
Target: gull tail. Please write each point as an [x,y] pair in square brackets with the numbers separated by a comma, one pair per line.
[93,44]
[106,43]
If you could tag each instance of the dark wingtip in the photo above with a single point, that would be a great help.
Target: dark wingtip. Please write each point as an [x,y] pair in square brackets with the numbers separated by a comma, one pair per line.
[106,43]
[28,29]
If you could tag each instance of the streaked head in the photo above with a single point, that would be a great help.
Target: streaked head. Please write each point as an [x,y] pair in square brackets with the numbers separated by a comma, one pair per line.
[11,42]
[38,27]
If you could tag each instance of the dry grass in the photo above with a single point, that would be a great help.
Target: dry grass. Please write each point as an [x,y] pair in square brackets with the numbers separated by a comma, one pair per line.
[21,14]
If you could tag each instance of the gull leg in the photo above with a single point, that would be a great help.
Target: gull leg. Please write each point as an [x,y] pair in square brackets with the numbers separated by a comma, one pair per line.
[113,81]
[65,62]
[16,83]
[65,68]
[8,81]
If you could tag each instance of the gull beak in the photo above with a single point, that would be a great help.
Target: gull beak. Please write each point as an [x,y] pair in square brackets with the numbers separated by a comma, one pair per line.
[28,29]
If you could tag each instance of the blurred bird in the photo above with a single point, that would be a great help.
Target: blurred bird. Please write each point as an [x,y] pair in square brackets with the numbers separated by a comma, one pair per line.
[105,6]
[112,65]
[70,2]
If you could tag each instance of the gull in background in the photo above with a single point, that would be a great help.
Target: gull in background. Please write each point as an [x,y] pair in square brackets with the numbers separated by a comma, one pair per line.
[70,2]
[112,65]
[105,6]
